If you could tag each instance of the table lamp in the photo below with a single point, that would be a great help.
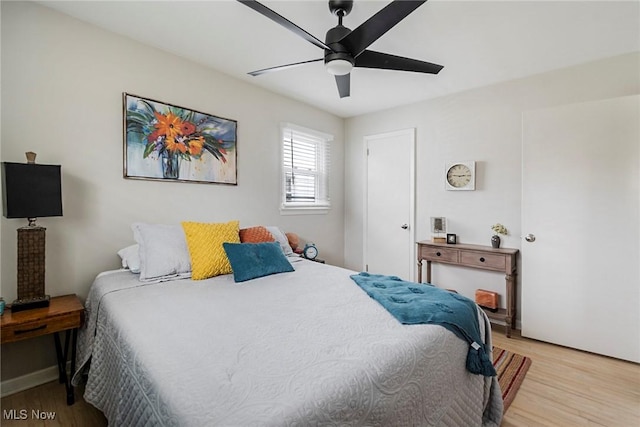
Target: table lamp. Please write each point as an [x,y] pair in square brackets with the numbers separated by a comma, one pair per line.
[31,190]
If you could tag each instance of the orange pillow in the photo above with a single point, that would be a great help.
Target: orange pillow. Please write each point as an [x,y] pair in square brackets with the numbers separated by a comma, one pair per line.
[256,235]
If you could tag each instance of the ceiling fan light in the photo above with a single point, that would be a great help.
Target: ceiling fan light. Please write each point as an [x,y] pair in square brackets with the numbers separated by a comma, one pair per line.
[339,67]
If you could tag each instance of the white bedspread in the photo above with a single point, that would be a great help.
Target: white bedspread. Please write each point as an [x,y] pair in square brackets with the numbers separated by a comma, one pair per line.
[296,349]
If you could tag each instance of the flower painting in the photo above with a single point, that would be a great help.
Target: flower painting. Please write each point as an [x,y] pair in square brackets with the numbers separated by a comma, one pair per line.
[165,142]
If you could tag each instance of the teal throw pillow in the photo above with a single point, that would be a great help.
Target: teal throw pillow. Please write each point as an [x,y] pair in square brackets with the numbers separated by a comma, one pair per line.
[252,260]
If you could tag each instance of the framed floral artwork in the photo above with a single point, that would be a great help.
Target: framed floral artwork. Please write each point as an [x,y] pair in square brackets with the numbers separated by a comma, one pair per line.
[170,143]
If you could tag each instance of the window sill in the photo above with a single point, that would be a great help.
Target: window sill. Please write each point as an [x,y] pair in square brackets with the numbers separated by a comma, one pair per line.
[304,210]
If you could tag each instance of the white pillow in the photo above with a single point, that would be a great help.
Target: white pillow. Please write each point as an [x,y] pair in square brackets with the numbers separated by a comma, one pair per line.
[163,251]
[130,258]
[281,238]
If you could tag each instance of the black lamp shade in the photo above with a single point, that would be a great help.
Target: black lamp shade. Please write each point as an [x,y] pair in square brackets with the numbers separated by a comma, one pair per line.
[31,190]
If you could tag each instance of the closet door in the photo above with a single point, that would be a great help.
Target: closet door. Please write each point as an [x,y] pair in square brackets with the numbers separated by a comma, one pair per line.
[389,239]
[581,203]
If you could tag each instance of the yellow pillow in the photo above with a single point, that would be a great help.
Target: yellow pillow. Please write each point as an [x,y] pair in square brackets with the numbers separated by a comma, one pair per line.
[205,240]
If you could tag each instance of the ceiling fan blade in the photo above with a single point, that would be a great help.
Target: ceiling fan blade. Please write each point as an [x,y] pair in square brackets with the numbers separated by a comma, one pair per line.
[369,31]
[385,61]
[282,67]
[344,85]
[279,19]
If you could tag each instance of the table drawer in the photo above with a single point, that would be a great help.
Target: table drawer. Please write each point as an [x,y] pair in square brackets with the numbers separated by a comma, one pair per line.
[438,254]
[483,260]
[36,328]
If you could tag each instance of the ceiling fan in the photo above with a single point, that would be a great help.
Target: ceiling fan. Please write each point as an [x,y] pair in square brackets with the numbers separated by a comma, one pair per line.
[345,48]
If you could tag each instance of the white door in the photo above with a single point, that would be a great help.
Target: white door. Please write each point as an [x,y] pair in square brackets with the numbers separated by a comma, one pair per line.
[581,201]
[390,204]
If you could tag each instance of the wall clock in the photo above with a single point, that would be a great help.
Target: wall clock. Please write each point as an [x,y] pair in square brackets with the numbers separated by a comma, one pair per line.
[460,176]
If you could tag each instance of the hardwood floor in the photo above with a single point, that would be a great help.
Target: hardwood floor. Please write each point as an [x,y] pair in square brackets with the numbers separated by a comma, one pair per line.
[49,398]
[566,387]
[563,387]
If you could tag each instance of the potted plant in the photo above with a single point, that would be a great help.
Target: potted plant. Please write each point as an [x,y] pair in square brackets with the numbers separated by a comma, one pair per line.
[498,229]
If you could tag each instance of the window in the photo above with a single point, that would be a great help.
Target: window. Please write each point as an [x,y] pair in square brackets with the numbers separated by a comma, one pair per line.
[305,168]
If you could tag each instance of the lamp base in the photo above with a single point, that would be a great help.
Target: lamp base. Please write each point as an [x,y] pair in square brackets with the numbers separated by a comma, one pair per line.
[30,303]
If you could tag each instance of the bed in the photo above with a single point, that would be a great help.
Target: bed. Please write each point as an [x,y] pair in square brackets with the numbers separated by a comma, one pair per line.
[301,348]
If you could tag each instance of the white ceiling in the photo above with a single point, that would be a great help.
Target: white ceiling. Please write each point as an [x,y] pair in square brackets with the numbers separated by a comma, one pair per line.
[478,42]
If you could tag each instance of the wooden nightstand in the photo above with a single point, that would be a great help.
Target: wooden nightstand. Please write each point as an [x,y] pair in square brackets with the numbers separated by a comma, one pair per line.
[65,313]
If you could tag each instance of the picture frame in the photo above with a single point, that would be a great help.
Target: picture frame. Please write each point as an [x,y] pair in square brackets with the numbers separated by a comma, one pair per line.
[438,225]
[166,142]
[451,239]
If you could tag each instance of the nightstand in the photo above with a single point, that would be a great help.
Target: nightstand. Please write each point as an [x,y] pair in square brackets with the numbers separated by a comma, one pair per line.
[65,313]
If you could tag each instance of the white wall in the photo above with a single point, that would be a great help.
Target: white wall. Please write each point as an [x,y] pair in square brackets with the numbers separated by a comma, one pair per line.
[62,84]
[482,125]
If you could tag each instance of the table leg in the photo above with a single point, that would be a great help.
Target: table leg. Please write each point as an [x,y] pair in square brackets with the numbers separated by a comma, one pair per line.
[511,308]
[70,391]
[62,357]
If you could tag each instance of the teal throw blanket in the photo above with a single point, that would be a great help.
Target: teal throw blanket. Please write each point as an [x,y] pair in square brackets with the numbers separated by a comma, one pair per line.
[418,303]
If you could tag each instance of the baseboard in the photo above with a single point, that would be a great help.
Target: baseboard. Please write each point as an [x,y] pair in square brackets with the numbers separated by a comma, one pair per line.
[33,379]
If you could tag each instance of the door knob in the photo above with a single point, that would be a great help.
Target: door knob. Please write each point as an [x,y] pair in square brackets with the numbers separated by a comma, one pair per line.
[404,226]
[530,238]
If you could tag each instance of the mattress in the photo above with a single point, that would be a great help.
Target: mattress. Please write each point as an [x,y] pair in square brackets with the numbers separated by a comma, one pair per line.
[303,348]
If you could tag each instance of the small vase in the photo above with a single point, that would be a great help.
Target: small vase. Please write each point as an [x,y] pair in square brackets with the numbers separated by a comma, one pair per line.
[170,168]
[495,241]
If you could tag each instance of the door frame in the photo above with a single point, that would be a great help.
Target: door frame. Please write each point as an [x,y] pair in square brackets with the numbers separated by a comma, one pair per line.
[411,132]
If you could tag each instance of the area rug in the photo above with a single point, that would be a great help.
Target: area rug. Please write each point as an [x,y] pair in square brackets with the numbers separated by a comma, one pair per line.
[511,369]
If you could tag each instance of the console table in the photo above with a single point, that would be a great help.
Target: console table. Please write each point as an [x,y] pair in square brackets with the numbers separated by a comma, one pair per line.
[481,257]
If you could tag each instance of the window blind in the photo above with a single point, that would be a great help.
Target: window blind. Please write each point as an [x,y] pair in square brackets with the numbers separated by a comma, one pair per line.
[306,160]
